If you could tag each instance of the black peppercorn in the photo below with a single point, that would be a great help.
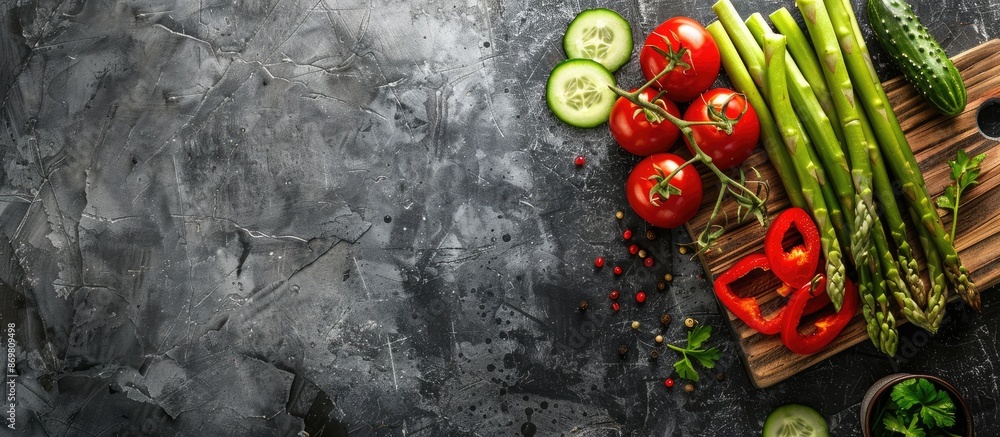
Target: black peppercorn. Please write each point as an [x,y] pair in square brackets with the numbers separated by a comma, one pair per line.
[623,350]
[665,319]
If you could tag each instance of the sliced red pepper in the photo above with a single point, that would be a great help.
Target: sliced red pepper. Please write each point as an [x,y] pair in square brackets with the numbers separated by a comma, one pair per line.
[825,328]
[795,267]
[816,303]
[747,309]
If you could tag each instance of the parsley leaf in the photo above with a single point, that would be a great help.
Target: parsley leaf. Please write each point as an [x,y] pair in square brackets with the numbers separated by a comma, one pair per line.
[698,335]
[898,424]
[706,357]
[919,397]
[685,369]
[964,174]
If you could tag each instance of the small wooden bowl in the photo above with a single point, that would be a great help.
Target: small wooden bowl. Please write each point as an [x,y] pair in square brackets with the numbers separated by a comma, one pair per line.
[881,389]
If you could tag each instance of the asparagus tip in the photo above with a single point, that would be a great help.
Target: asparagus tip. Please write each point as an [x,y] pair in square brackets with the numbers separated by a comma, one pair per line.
[959,277]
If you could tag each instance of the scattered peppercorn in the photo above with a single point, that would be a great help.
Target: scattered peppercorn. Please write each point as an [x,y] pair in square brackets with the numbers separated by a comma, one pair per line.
[720,376]
[689,388]
[633,249]
[623,350]
[627,235]
[580,160]
[669,382]
[640,297]
[666,319]
[616,306]
[642,254]
[614,295]
[635,324]
[661,285]
[668,277]
[658,339]
[599,262]
[648,262]
[584,305]
[619,215]
[654,355]
[683,250]
[650,235]
[617,270]
[690,322]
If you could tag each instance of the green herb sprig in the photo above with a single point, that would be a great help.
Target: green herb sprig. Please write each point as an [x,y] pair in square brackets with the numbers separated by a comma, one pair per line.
[964,174]
[706,357]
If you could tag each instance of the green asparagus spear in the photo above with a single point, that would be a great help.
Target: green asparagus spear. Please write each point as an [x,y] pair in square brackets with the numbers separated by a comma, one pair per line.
[937,297]
[807,170]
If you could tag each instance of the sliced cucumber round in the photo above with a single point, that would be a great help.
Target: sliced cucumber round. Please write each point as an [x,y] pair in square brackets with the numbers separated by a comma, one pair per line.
[599,34]
[578,92]
[795,420]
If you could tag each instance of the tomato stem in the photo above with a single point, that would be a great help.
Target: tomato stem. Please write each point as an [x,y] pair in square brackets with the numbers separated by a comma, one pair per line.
[675,59]
[681,167]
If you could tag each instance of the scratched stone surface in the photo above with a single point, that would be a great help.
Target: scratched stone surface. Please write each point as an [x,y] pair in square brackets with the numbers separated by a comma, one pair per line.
[358,217]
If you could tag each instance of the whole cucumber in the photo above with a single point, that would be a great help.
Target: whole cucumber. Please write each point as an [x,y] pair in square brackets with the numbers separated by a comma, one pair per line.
[918,55]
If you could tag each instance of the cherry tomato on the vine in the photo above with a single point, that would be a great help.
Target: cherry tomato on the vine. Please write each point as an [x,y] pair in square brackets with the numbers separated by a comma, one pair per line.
[727,150]
[641,131]
[696,68]
[657,203]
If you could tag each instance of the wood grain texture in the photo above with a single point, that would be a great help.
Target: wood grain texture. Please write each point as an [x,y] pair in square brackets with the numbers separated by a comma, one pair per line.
[935,139]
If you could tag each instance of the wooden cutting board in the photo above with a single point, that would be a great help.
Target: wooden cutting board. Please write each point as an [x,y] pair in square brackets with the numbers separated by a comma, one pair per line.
[935,139]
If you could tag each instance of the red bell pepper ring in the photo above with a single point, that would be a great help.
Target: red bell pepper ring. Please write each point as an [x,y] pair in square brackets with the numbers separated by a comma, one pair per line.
[795,267]
[816,303]
[826,328]
[748,309]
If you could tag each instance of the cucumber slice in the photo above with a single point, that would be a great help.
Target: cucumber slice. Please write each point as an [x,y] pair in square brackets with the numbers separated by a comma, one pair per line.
[599,34]
[577,92]
[795,420]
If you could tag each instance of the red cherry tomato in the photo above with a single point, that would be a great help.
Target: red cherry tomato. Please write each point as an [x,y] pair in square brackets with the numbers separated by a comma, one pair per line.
[641,131]
[684,82]
[648,194]
[727,150]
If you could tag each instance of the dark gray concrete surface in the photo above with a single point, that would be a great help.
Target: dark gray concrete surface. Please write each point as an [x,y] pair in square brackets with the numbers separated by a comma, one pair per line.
[270,217]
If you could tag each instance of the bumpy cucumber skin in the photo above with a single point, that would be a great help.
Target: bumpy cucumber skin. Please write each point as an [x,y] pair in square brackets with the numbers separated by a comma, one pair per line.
[923,63]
